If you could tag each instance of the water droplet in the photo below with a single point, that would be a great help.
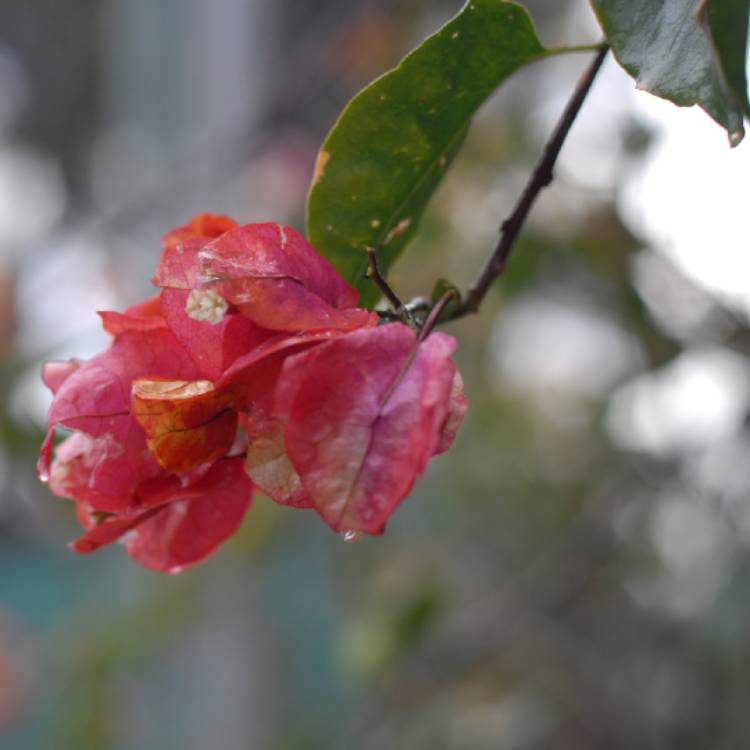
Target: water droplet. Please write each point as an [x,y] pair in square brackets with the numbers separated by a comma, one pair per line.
[175,570]
[45,457]
[351,536]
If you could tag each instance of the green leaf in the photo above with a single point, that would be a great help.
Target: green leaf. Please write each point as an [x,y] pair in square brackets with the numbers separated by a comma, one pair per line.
[662,45]
[392,144]
[726,24]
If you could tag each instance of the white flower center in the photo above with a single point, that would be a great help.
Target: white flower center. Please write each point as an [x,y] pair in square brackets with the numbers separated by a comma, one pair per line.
[206,306]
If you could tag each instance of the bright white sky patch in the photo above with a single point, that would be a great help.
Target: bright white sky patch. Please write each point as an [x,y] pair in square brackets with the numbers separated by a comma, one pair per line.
[691,199]
[545,345]
[698,398]
[32,198]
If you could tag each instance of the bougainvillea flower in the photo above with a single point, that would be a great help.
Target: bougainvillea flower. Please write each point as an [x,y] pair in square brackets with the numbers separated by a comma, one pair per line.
[253,379]
[271,273]
[143,316]
[269,466]
[458,404]
[213,346]
[95,399]
[185,529]
[54,374]
[252,367]
[111,467]
[104,471]
[201,227]
[179,265]
[272,251]
[364,413]
[187,423]
[259,369]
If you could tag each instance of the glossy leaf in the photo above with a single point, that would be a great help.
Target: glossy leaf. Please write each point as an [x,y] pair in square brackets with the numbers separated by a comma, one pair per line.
[359,446]
[726,22]
[662,45]
[391,146]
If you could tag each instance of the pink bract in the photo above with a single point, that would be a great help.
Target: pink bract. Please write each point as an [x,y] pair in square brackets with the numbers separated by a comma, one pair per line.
[359,446]
[252,367]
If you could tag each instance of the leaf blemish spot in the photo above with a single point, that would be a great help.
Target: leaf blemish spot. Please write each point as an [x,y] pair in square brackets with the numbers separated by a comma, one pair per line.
[375,223]
[400,228]
[320,166]
[454,35]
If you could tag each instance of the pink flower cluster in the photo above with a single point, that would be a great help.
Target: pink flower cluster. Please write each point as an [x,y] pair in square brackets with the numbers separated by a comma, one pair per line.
[252,368]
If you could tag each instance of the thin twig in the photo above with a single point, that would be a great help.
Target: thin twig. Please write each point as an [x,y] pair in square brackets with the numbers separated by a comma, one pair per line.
[540,178]
[373,272]
[435,313]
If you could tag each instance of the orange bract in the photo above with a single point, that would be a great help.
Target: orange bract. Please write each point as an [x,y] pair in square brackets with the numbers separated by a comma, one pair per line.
[187,423]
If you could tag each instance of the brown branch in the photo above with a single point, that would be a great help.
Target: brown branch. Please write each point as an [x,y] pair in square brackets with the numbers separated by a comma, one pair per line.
[540,178]
[435,314]
[373,272]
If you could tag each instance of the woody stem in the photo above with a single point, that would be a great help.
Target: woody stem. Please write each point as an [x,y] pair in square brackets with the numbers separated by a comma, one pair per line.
[540,178]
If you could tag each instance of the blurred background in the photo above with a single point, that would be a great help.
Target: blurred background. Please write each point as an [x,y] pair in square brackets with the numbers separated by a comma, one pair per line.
[572,575]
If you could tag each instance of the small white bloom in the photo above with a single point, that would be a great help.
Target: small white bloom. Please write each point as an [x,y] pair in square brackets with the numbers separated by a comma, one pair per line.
[206,305]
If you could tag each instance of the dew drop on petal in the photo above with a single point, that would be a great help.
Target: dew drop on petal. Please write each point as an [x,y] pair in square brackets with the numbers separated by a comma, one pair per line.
[351,536]
[45,457]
